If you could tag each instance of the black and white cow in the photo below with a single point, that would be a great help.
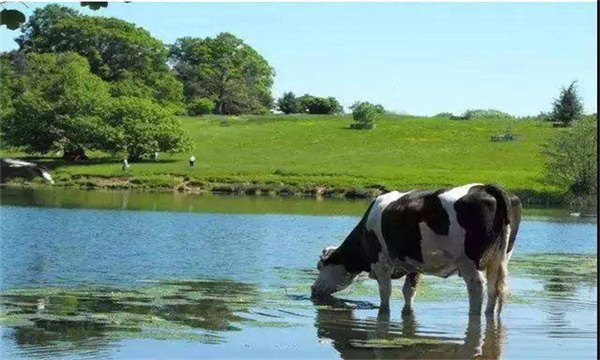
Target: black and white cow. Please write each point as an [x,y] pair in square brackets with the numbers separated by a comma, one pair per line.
[466,230]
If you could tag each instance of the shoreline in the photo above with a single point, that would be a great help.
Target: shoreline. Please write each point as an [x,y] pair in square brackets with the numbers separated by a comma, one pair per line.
[186,185]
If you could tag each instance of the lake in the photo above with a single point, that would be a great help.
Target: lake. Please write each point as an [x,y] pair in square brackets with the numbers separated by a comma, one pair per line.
[111,275]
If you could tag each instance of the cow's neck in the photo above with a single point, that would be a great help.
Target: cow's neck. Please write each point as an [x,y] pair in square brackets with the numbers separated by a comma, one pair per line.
[351,253]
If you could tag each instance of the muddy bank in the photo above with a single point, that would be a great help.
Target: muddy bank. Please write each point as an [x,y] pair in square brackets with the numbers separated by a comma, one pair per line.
[181,184]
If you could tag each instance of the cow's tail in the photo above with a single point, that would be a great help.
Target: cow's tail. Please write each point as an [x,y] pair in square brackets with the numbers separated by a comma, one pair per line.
[497,268]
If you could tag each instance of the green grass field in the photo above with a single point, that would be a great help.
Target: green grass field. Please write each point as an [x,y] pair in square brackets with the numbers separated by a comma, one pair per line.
[401,153]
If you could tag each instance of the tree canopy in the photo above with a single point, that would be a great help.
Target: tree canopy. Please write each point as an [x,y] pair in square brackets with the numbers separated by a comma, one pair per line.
[142,127]
[225,69]
[57,104]
[117,51]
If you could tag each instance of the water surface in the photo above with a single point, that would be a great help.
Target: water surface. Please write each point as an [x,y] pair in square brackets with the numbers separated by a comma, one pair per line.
[91,274]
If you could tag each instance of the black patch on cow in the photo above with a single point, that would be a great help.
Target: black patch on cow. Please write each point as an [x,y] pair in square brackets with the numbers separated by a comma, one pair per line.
[483,212]
[400,222]
[359,250]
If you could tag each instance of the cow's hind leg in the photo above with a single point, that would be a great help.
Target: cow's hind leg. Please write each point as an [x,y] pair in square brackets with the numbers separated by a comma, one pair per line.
[409,291]
[474,280]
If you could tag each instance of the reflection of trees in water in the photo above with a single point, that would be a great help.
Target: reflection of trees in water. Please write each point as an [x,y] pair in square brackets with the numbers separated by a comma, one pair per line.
[379,338]
[89,319]
[562,275]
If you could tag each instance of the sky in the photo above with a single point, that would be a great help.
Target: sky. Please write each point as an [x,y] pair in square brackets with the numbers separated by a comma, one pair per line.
[417,58]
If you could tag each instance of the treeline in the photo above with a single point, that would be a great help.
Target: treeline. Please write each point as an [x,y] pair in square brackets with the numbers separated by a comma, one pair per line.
[83,82]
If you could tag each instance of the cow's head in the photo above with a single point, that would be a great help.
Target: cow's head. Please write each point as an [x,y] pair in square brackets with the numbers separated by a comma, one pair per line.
[333,276]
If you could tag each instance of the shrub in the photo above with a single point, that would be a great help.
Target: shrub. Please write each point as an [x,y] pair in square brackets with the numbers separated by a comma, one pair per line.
[288,103]
[320,105]
[573,162]
[444,115]
[485,114]
[201,106]
[364,113]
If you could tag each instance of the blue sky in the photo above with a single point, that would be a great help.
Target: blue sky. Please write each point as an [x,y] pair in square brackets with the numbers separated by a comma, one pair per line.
[418,58]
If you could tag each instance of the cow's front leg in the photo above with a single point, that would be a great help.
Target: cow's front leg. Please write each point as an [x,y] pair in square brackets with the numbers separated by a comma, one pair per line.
[384,279]
[475,281]
[409,290]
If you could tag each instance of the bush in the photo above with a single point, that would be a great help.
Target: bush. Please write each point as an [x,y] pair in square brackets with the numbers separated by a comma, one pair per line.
[320,105]
[485,114]
[288,103]
[444,115]
[201,106]
[364,113]
[573,162]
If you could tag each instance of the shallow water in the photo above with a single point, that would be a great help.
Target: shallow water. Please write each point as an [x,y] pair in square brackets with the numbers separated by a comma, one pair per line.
[229,277]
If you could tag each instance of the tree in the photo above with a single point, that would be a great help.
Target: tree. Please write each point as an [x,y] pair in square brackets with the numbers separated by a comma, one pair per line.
[364,113]
[201,106]
[142,127]
[225,69]
[288,103]
[116,50]
[573,157]
[320,105]
[59,105]
[11,80]
[568,107]
[14,18]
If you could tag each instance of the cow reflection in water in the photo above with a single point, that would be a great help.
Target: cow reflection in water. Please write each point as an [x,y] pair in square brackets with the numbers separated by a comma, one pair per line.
[378,338]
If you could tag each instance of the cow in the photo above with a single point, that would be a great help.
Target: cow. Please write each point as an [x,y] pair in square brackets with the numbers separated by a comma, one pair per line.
[15,168]
[466,230]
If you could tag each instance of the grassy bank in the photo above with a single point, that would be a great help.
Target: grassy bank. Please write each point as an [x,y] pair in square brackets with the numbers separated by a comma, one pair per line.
[319,155]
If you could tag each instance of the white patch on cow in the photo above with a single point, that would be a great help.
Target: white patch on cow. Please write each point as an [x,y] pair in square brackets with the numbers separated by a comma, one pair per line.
[47,177]
[374,219]
[440,252]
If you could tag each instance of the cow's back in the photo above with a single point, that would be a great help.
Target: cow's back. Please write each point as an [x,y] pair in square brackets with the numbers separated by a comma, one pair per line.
[428,231]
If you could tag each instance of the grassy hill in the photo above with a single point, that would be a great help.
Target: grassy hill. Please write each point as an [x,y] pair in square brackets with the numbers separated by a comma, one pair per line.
[307,151]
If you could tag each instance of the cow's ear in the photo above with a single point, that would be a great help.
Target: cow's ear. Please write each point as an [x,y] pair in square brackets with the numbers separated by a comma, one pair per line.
[327,252]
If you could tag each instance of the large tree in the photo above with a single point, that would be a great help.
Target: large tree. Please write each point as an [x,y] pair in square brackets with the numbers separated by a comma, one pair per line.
[57,104]
[117,51]
[225,69]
